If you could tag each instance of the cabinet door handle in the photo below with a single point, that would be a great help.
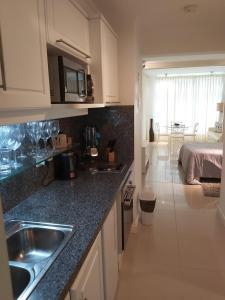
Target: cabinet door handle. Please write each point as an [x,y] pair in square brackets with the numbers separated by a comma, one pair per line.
[2,66]
[73,47]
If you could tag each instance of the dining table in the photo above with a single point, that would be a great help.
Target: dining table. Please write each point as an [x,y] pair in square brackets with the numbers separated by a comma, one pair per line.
[177,128]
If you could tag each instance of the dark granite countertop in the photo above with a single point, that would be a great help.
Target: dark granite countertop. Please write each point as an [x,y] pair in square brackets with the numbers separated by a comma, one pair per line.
[84,203]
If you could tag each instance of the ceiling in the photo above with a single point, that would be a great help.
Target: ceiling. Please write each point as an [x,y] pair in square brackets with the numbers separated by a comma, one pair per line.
[163,27]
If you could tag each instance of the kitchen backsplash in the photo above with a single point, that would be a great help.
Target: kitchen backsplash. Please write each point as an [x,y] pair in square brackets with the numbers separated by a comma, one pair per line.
[16,189]
[111,122]
[115,123]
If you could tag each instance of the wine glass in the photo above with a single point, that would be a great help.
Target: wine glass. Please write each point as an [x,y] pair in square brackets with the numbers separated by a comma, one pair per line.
[22,156]
[15,140]
[34,133]
[45,128]
[6,146]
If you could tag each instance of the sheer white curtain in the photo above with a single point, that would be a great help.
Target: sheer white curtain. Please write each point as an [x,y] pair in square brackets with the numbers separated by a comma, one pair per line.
[188,99]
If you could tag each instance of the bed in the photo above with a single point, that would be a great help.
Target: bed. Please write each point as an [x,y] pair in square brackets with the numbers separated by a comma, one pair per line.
[201,160]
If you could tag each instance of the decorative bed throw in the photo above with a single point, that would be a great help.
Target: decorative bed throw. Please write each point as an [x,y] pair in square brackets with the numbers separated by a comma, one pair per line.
[201,160]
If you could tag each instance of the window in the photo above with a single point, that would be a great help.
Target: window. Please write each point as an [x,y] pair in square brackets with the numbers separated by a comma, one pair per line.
[188,98]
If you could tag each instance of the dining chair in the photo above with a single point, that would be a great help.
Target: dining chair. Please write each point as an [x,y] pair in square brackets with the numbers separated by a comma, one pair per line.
[157,131]
[161,131]
[176,139]
[193,132]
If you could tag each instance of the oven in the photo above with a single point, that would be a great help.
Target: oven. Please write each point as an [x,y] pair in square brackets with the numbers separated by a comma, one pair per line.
[127,195]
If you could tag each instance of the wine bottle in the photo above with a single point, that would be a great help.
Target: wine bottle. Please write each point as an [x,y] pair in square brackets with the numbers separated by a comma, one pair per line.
[151,132]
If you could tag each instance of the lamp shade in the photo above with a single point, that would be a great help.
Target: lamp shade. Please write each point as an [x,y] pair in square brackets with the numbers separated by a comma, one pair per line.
[220,106]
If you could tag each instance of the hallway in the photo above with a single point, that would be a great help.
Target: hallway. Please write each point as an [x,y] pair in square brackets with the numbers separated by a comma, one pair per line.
[182,255]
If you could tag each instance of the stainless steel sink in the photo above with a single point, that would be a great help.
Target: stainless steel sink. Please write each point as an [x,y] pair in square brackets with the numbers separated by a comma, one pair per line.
[103,167]
[21,278]
[32,244]
[32,247]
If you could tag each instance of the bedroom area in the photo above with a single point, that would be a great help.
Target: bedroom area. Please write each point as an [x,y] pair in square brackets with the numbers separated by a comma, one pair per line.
[183,112]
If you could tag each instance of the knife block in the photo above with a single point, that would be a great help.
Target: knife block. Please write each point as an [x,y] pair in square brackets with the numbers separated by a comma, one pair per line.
[111,156]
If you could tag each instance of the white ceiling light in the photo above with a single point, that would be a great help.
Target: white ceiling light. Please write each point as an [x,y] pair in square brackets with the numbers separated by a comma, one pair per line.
[190,8]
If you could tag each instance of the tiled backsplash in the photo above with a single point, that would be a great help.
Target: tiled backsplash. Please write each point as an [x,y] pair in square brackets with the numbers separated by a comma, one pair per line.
[111,122]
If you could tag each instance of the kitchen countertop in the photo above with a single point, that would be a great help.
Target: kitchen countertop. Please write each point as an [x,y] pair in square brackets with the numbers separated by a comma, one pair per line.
[83,202]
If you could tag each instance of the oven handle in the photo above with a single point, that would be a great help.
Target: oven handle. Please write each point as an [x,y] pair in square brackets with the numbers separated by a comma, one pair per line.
[2,65]
[128,202]
[125,181]
[73,47]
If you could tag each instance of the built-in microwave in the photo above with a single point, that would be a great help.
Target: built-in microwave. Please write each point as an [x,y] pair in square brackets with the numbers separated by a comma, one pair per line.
[68,80]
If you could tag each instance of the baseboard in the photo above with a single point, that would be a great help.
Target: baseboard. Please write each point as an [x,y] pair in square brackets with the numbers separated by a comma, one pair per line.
[221,214]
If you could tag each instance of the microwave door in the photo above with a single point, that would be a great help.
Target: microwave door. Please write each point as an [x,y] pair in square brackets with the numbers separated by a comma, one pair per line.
[82,84]
[71,85]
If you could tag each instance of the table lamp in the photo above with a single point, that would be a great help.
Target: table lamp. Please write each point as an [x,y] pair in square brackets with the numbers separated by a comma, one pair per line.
[220,106]
[220,109]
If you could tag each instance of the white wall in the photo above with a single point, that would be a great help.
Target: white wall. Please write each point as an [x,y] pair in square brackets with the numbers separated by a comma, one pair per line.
[146,106]
[137,136]
[221,205]
[148,87]
[130,69]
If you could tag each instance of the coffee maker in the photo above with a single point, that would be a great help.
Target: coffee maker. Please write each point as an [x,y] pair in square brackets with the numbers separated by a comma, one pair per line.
[91,142]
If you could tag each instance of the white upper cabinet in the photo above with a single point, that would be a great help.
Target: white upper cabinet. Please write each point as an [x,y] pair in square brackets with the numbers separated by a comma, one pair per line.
[104,61]
[109,64]
[68,27]
[24,73]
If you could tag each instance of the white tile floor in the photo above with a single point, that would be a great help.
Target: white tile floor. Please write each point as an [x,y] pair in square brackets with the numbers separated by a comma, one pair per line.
[182,255]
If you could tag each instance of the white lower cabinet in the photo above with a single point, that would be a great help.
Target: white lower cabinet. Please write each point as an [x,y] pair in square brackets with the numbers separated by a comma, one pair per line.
[110,254]
[89,283]
[98,276]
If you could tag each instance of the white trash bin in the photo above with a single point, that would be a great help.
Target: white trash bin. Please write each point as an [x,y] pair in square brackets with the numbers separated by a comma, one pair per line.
[147,200]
